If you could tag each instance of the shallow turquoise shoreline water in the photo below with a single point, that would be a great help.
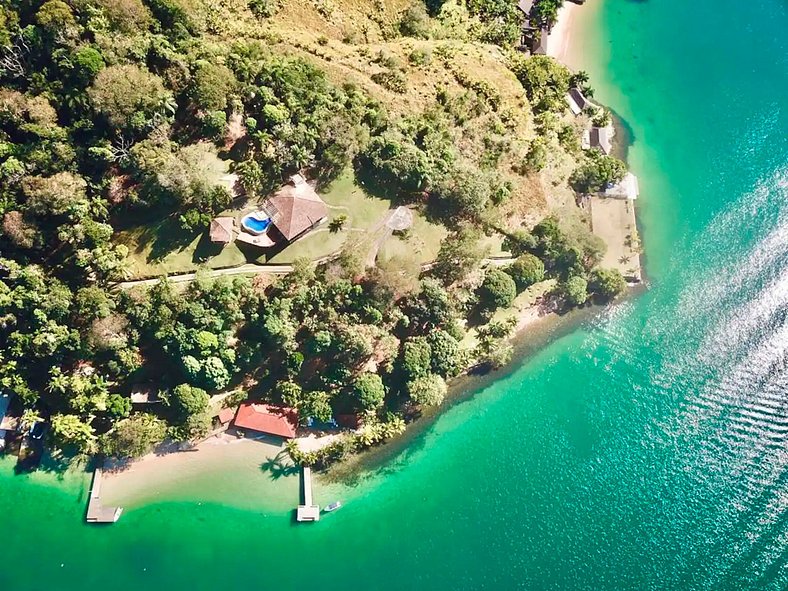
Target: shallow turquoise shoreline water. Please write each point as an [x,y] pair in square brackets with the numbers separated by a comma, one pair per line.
[644,451]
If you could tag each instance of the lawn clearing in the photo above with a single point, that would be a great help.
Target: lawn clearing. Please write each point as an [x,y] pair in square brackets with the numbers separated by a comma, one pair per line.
[365,215]
[154,250]
[422,241]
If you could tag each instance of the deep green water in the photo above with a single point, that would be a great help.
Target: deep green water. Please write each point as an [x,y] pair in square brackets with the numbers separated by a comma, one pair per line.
[644,451]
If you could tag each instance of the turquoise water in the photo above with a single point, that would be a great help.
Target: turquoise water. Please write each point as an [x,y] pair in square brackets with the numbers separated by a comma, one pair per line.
[645,451]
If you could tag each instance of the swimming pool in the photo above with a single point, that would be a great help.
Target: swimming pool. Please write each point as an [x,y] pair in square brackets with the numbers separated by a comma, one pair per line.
[256,223]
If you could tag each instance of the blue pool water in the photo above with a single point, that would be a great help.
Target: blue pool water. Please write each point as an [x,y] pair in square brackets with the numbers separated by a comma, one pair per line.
[256,225]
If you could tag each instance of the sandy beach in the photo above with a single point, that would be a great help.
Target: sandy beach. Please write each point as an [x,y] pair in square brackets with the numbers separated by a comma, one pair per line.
[246,473]
[565,41]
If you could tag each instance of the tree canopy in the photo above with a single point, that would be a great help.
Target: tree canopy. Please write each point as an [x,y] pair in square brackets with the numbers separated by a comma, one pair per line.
[123,127]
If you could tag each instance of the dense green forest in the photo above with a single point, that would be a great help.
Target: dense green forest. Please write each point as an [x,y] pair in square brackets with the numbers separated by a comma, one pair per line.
[116,111]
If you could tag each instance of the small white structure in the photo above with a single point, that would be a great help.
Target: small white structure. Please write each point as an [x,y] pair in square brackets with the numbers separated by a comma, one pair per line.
[627,188]
[401,219]
[6,423]
[144,394]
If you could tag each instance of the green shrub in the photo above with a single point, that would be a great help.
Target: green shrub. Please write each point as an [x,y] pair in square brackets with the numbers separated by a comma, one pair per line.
[536,157]
[526,270]
[545,81]
[498,290]
[264,8]
[369,390]
[597,172]
[337,223]
[416,357]
[428,390]
[575,291]
[420,57]
[607,283]
[415,22]
[392,80]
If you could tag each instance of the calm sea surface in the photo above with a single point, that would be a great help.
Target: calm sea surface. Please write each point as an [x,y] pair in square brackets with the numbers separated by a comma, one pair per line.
[647,450]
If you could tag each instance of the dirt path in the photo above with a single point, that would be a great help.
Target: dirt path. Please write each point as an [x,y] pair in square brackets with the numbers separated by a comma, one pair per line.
[248,268]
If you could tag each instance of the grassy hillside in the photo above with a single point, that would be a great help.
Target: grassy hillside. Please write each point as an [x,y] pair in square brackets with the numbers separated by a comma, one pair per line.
[356,41]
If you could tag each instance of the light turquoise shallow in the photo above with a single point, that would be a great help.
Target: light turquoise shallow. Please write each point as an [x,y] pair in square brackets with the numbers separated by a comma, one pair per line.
[646,451]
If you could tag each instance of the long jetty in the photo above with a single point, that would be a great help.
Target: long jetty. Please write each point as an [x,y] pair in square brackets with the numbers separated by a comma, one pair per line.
[98,513]
[307,511]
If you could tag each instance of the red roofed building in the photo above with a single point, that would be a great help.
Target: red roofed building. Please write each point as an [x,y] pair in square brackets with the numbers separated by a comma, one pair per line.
[266,418]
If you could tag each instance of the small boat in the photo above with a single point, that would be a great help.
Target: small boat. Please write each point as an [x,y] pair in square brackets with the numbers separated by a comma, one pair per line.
[333,506]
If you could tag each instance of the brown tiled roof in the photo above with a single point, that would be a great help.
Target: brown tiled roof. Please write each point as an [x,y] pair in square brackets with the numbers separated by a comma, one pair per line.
[295,208]
[226,415]
[222,229]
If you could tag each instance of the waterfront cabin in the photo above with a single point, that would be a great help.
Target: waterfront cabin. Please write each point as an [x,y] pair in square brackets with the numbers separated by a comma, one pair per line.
[539,43]
[525,7]
[295,209]
[600,138]
[627,188]
[221,230]
[267,419]
[526,28]
[576,101]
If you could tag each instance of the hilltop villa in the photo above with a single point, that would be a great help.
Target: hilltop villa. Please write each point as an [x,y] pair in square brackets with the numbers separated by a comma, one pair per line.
[289,214]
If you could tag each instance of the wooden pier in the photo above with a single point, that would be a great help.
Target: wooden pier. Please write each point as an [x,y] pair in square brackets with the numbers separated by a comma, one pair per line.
[307,511]
[97,513]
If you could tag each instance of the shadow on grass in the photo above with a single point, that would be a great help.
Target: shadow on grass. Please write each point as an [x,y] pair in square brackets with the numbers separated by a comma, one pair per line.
[166,237]
[279,466]
[158,229]
[206,249]
[255,254]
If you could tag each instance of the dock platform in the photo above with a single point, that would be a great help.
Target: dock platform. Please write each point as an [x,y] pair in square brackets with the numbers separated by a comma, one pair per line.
[98,513]
[307,511]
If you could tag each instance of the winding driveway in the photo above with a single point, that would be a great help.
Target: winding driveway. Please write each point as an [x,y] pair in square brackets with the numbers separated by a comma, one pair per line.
[254,268]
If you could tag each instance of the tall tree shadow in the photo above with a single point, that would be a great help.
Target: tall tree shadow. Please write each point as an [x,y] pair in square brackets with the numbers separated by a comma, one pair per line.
[279,466]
